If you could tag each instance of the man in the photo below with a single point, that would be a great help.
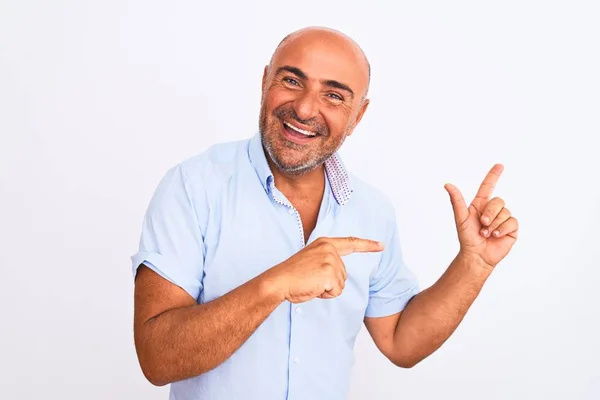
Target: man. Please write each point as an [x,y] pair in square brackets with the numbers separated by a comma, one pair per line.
[260,259]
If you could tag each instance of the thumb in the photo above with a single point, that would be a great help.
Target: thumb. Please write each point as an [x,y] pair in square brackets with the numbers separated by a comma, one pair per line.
[461,212]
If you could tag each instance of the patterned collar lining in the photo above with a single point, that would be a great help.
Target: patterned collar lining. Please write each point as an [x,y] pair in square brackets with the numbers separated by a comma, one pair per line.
[338,177]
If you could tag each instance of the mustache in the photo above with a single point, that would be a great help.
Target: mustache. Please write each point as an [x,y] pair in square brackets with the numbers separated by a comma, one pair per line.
[313,123]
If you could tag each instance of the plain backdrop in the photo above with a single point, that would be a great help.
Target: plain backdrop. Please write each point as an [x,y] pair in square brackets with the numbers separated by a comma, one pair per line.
[99,98]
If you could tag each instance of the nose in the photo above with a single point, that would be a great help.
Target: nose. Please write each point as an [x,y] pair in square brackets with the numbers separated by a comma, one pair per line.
[306,106]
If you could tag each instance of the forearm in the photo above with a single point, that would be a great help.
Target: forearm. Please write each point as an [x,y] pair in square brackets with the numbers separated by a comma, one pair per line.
[433,315]
[186,342]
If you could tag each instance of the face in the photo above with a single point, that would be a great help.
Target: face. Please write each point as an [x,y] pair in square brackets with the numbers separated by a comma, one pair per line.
[312,100]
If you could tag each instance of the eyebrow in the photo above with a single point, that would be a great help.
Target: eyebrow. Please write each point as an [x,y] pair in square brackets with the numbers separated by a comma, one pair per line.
[329,82]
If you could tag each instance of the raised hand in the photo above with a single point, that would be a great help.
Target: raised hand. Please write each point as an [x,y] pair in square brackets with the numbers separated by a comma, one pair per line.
[485,228]
[318,270]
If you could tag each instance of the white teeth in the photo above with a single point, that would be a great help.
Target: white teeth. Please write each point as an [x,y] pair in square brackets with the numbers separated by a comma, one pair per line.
[302,131]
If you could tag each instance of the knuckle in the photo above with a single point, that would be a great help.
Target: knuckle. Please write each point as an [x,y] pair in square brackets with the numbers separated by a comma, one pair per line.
[327,246]
[498,201]
[495,205]
[330,267]
[493,225]
[329,259]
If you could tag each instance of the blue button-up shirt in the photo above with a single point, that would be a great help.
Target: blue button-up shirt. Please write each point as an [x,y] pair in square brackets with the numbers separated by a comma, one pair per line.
[217,220]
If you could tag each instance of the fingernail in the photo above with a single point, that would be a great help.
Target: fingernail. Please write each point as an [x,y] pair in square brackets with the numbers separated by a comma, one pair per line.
[486,220]
[484,232]
[496,233]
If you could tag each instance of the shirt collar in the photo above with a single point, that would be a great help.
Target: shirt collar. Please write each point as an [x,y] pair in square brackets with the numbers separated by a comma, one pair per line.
[338,177]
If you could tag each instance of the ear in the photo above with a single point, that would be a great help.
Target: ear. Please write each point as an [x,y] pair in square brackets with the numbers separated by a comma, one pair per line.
[361,112]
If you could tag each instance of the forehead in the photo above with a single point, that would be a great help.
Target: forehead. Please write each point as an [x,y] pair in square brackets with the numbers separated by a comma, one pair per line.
[324,57]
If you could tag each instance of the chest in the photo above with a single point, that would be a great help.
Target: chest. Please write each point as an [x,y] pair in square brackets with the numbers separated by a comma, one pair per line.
[247,238]
[308,214]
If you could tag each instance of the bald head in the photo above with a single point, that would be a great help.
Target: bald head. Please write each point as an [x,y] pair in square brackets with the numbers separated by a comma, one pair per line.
[333,37]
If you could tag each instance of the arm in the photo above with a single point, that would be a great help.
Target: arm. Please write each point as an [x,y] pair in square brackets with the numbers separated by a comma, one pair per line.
[431,316]
[176,338]
[486,232]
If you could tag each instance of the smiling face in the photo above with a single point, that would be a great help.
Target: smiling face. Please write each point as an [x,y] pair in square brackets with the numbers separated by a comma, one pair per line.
[313,97]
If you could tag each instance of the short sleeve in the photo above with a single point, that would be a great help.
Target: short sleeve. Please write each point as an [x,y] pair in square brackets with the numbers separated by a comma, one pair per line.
[393,284]
[171,241]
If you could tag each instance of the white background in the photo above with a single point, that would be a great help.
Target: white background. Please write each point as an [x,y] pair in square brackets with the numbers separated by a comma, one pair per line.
[99,98]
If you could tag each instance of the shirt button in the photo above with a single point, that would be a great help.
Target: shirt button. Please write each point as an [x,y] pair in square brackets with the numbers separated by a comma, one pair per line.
[296,360]
[290,211]
[298,310]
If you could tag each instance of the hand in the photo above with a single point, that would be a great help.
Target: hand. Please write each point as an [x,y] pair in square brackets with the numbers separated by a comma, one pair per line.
[486,228]
[318,270]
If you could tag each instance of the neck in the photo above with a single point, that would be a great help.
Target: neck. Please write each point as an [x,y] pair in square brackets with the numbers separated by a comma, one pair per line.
[310,184]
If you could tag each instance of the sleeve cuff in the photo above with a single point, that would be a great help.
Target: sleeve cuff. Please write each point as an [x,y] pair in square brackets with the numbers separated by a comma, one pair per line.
[169,269]
[378,307]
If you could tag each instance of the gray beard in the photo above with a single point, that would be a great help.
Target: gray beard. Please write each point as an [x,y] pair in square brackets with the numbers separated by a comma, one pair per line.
[289,170]
[294,170]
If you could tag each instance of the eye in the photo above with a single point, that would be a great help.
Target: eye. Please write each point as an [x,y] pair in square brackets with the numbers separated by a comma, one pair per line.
[291,81]
[335,96]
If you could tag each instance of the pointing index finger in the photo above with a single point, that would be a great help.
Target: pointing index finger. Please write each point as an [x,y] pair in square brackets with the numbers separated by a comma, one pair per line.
[348,245]
[487,186]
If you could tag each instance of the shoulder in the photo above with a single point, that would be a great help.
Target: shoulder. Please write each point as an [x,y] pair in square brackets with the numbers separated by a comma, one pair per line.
[191,185]
[199,178]
[214,165]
